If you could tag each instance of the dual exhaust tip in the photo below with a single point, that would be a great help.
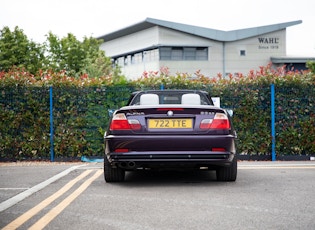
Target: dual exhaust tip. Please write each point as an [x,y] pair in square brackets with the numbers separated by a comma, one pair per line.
[127,165]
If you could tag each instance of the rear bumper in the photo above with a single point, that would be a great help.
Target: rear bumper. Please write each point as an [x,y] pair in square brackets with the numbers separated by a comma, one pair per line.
[159,159]
[156,143]
[173,151]
[193,157]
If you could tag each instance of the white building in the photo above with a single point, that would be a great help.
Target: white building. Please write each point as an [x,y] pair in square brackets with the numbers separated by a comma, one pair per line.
[152,44]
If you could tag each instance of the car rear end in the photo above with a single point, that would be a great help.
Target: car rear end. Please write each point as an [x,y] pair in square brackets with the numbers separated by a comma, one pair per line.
[171,135]
[165,133]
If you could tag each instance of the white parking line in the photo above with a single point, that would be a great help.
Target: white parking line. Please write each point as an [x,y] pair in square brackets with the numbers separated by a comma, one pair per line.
[33,211]
[46,219]
[275,165]
[21,196]
[13,188]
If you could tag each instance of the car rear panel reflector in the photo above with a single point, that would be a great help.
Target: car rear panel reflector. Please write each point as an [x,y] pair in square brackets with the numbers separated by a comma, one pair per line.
[218,149]
[121,150]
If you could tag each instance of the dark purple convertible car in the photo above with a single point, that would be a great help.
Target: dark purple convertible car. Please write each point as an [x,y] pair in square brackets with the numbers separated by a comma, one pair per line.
[170,129]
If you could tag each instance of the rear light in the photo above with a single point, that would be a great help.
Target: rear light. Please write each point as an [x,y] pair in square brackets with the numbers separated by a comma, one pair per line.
[220,121]
[167,109]
[120,122]
[134,124]
[205,123]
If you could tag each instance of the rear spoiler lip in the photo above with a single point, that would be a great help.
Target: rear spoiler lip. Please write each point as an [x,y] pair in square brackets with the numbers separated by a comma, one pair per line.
[170,106]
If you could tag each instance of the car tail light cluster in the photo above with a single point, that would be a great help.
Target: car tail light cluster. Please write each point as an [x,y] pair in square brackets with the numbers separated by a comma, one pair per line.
[220,121]
[120,122]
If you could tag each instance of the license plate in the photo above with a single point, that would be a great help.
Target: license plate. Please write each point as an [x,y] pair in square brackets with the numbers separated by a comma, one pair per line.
[170,123]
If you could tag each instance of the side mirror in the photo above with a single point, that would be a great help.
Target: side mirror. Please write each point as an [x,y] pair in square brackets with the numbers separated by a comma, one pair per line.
[230,112]
[111,112]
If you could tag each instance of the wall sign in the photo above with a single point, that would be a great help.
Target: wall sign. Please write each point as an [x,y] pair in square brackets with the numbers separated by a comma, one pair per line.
[268,43]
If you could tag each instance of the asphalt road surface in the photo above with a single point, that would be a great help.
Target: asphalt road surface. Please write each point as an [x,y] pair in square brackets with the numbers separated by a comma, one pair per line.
[266,195]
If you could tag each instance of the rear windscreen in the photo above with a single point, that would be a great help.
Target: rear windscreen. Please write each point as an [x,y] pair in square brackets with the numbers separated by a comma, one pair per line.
[174,97]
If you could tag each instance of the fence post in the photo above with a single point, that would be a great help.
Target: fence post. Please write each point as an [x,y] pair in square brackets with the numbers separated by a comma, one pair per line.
[273,123]
[51,124]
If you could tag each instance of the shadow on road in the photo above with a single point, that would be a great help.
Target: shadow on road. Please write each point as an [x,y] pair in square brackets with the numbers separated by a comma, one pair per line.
[164,177]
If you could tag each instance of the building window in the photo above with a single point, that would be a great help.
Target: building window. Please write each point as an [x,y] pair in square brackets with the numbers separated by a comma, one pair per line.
[151,55]
[201,53]
[121,61]
[242,52]
[137,58]
[183,53]
[165,53]
[127,60]
[189,53]
[177,53]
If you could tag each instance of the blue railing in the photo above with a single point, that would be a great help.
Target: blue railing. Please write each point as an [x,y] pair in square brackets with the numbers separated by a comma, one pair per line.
[69,122]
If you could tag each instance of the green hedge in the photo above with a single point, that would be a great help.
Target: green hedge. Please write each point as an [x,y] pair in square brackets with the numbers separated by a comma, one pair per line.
[295,117]
[81,111]
[24,122]
[80,119]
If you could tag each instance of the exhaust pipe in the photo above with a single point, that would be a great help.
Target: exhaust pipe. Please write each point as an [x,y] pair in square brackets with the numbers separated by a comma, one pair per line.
[131,164]
[123,165]
[127,165]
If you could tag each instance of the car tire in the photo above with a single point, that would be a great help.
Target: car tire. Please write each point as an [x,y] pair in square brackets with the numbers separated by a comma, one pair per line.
[228,173]
[113,174]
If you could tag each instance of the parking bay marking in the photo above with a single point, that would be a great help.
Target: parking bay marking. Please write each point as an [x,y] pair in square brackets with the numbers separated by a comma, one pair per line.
[21,196]
[43,221]
[302,166]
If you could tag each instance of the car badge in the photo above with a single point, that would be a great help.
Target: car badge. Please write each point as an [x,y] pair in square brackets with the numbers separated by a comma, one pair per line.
[170,113]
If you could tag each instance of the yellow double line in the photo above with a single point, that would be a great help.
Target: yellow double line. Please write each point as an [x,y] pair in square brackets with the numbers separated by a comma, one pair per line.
[46,219]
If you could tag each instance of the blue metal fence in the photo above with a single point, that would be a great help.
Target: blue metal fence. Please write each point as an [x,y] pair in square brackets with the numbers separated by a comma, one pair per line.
[69,122]
[51,115]
[273,122]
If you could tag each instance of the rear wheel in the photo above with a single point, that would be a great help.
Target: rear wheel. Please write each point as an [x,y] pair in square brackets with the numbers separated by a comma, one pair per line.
[228,173]
[112,174]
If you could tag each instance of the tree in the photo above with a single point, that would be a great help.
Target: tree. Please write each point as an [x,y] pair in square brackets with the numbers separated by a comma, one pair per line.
[78,57]
[17,50]
[98,64]
[65,54]
[311,66]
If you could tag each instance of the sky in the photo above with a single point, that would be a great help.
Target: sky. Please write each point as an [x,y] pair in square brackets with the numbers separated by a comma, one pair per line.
[85,18]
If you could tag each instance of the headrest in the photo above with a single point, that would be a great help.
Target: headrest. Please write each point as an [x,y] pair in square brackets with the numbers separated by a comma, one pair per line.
[149,99]
[191,99]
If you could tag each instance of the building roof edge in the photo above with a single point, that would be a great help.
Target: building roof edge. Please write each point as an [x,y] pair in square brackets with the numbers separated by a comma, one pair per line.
[209,33]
